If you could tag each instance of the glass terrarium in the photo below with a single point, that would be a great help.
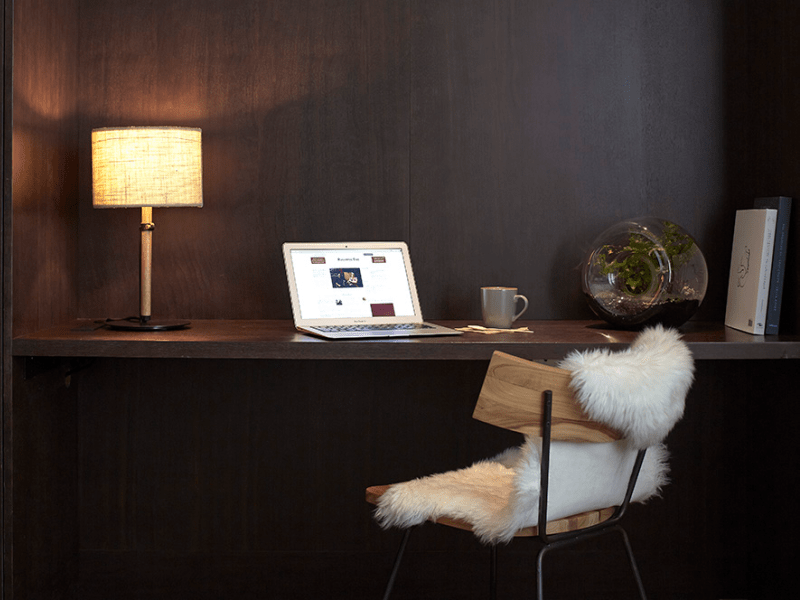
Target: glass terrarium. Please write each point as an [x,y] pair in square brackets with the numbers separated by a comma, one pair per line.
[645,271]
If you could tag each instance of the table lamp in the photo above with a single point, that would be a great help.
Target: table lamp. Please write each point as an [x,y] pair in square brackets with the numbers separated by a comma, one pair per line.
[146,167]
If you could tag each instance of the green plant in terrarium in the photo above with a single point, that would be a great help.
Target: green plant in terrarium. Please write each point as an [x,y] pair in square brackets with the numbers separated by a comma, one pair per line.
[636,263]
[643,271]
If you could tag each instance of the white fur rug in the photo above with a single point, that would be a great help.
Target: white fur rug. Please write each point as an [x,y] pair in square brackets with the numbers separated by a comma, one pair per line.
[640,391]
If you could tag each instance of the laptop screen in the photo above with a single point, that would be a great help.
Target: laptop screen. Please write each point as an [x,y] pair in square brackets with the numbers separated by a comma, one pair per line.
[351,283]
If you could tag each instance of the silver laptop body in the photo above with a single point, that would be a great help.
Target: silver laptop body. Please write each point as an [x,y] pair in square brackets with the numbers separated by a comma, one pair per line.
[355,290]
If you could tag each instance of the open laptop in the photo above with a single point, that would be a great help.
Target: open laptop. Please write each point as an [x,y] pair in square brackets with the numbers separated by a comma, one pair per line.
[355,290]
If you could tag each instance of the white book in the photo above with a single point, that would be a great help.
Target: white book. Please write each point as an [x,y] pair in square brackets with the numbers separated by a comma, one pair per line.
[751,264]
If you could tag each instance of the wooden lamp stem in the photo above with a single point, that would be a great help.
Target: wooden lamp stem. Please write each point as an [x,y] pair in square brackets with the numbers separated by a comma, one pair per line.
[144,322]
[146,265]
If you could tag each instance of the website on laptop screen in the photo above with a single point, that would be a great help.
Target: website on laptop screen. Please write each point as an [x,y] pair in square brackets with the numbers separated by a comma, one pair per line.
[351,283]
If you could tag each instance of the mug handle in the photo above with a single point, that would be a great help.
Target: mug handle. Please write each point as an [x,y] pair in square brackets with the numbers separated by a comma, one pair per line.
[524,308]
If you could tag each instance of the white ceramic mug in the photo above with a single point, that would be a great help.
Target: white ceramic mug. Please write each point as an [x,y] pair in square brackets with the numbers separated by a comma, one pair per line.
[498,305]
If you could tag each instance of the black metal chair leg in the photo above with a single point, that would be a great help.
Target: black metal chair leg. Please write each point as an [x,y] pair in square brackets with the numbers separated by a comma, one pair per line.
[632,560]
[540,572]
[493,573]
[396,567]
[628,549]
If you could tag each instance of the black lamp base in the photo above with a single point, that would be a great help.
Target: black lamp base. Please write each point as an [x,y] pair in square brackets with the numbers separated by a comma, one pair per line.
[135,324]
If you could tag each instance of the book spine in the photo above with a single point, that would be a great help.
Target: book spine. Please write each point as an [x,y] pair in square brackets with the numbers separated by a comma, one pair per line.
[783,205]
[764,275]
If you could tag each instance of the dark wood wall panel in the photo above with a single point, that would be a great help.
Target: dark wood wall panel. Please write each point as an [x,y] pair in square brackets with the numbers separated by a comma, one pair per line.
[537,125]
[40,454]
[44,164]
[303,107]
[762,74]
[258,456]
[499,138]
[239,465]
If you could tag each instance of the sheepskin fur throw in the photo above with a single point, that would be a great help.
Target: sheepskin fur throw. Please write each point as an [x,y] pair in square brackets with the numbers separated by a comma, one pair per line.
[639,391]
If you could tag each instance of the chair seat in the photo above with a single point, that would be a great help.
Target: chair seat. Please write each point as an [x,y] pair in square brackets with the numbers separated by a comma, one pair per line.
[572,523]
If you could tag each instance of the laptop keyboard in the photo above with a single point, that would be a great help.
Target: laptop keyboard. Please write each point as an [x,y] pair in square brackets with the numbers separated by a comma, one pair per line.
[390,327]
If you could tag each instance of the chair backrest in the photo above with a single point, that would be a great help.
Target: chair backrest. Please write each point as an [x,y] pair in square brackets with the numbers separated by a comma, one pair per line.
[517,394]
[511,398]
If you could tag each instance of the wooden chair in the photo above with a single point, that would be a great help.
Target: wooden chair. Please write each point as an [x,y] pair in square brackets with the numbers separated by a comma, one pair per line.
[538,400]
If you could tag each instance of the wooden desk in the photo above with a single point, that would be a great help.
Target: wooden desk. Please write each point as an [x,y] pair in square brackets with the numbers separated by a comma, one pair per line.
[165,465]
[278,340]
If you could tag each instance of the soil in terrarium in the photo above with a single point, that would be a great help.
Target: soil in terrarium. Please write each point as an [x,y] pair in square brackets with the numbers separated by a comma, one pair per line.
[672,313]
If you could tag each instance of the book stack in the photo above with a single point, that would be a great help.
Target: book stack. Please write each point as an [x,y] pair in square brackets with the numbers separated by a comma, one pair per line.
[758,265]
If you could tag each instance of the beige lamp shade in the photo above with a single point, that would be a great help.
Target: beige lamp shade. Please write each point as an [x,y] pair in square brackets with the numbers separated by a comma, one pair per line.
[147,167]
